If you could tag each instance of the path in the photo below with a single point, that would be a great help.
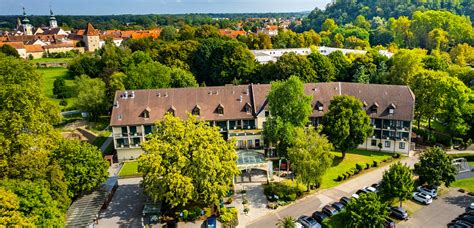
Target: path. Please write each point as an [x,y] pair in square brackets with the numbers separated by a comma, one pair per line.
[312,203]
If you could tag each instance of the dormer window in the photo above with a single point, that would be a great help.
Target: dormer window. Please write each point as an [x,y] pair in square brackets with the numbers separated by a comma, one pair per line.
[364,105]
[247,108]
[146,113]
[391,108]
[196,110]
[374,107]
[319,106]
[172,111]
[220,109]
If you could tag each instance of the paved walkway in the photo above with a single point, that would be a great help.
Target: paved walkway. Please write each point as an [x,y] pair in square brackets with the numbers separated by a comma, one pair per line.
[126,206]
[309,204]
[440,212]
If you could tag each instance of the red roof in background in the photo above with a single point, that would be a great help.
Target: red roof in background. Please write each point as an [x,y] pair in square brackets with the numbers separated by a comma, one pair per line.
[90,30]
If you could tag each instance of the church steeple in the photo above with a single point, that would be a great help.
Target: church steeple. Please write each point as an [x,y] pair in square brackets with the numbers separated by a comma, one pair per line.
[27,27]
[53,23]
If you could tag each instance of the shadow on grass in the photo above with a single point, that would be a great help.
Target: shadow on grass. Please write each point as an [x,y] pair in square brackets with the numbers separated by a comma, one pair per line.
[337,160]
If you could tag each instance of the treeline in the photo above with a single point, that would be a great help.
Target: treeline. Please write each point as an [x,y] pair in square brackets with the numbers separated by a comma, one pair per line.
[128,22]
[40,172]
[346,11]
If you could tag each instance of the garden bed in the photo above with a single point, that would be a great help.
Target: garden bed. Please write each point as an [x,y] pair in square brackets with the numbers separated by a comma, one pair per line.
[129,169]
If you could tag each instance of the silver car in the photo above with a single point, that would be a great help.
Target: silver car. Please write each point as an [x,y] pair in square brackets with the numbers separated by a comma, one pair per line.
[422,198]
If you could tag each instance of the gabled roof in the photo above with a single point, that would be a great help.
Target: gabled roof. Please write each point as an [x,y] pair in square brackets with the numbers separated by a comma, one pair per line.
[90,30]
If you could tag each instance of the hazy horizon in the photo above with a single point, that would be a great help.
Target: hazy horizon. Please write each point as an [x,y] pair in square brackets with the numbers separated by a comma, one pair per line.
[116,7]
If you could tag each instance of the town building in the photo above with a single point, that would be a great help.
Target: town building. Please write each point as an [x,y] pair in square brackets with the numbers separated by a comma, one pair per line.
[266,55]
[240,113]
[91,38]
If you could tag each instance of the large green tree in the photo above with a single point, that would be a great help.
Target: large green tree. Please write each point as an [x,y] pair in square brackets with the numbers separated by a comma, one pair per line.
[346,124]
[291,64]
[91,95]
[187,161]
[310,156]
[83,165]
[323,66]
[10,215]
[397,182]
[435,168]
[405,65]
[9,51]
[367,211]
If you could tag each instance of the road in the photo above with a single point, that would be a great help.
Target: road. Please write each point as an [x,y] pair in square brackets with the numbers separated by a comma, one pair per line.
[312,203]
[440,212]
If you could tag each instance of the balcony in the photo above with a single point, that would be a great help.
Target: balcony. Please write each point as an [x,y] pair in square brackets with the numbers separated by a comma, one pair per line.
[136,134]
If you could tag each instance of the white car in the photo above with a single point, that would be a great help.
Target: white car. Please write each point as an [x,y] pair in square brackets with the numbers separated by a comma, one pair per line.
[298,225]
[428,191]
[356,196]
[422,198]
[370,189]
[470,207]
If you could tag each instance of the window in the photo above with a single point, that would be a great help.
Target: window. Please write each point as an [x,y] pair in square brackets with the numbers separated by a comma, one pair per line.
[247,108]
[387,144]
[146,113]
[401,145]
[373,142]
[257,143]
[250,143]
[124,131]
[220,109]
[196,110]
[172,111]
[319,106]
[374,107]
[148,129]
[240,143]
[133,130]
[267,113]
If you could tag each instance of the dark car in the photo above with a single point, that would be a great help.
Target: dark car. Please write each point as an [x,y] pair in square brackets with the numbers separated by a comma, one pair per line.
[308,222]
[459,224]
[361,191]
[211,222]
[376,186]
[344,200]
[338,206]
[467,217]
[470,207]
[329,210]
[319,216]
[389,223]
[399,213]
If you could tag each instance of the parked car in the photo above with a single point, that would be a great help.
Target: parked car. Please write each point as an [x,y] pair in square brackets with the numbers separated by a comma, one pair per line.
[459,224]
[376,186]
[433,192]
[308,222]
[389,223]
[369,189]
[467,218]
[470,207]
[344,200]
[329,210]
[210,222]
[298,225]
[399,213]
[361,191]
[338,206]
[319,216]
[422,198]
[355,196]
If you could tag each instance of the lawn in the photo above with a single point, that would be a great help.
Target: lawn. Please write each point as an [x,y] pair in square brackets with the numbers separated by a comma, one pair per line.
[352,158]
[129,169]
[49,75]
[49,60]
[471,163]
[467,184]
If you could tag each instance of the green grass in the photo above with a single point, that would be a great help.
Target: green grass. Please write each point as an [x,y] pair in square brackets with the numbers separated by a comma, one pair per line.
[129,169]
[49,60]
[49,75]
[352,158]
[467,184]
[471,163]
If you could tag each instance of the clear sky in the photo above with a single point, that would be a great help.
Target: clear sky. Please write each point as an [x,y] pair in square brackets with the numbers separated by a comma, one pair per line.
[107,7]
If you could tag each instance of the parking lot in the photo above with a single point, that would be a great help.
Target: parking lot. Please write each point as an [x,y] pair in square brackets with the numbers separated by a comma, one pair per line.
[441,211]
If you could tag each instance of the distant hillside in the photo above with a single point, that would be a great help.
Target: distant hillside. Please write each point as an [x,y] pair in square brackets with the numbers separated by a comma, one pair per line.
[345,11]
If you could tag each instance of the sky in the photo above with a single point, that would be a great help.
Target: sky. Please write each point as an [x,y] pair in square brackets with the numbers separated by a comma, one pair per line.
[108,7]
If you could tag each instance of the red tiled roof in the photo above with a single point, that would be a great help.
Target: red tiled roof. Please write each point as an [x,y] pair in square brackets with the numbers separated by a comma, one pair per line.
[33,48]
[90,30]
[16,45]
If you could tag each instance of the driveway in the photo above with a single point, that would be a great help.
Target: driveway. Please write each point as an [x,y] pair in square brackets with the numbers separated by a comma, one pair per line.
[441,211]
[312,203]
[126,206]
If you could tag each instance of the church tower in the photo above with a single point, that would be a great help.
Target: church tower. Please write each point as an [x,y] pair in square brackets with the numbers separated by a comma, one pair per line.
[27,27]
[91,38]
[53,23]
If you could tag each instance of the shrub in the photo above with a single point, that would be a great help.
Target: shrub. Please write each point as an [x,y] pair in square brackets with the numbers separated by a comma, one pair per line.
[245,201]
[349,174]
[227,215]
[272,205]
[185,215]
[63,102]
[339,178]
[397,155]
[292,197]
[359,167]
[367,165]
[246,210]
[344,176]
[230,200]
[375,164]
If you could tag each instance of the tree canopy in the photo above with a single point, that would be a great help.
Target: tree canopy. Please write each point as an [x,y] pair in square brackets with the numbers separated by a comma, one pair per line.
[187,161]
[397,182]
[366,211]
[435,168]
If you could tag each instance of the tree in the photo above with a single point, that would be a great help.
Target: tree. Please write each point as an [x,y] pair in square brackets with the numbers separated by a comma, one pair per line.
[323,67]
[329,25]
[181,78]
[291,64]
[401,31]
[148,75]
[286,222]
[87,64]
[9,51]
[397,182]
[10,215]
[187,161]
[83,166]
[60,88]
[187,32]
[91,95]
[438,39]
[462,54]
[310,156]
[207,31]
[406,64]
[36,204]
[341,65]
[366,211]
[168,33]
[346,124]
[289,107]
[338,40]
[361,22]
[435,168]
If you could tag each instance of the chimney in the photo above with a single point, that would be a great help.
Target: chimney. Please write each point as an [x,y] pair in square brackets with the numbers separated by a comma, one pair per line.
[126,95]
[116,105]
[247,91]
[240,98]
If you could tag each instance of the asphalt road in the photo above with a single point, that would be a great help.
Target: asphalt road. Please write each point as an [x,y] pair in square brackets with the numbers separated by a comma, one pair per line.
[312,203]
[440,212]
